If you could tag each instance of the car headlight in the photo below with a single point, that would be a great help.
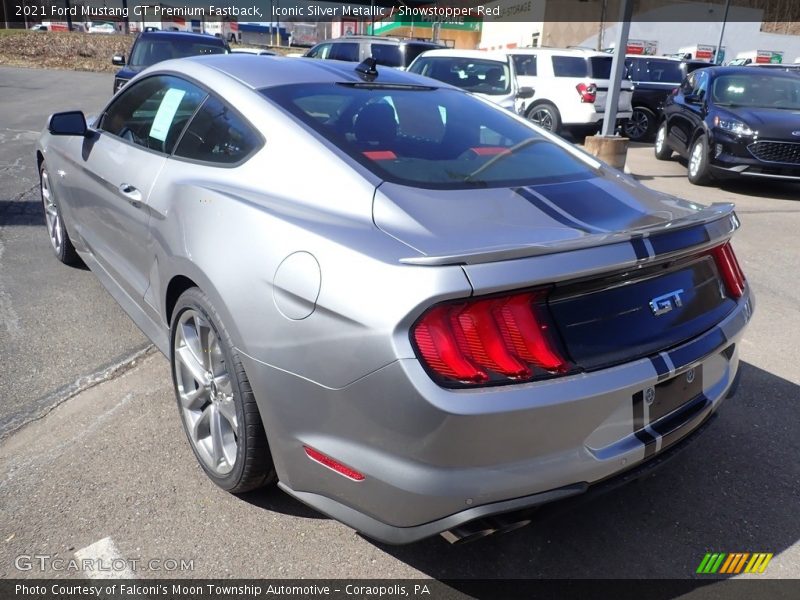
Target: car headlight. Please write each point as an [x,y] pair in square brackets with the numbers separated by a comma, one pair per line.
[733,126]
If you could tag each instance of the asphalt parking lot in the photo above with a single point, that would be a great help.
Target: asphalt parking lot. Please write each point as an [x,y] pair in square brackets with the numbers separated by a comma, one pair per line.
[109,458]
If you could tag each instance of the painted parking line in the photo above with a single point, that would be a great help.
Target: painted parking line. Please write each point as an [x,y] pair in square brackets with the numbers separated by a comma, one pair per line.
[103,560]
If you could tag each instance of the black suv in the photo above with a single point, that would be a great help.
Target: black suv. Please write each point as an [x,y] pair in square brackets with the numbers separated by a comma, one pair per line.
[734,122]
[152,47]
[390,52]
[654,78]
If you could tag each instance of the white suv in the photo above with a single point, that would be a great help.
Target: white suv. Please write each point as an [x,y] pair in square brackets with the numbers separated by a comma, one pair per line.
[571,86]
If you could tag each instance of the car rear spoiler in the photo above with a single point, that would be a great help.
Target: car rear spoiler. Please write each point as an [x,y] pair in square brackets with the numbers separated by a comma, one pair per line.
[719,220]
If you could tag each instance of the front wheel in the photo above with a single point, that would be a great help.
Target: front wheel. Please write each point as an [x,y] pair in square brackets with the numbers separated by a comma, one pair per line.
[217,406]
[546,116]
[640,126]
[662,149]
[699,169]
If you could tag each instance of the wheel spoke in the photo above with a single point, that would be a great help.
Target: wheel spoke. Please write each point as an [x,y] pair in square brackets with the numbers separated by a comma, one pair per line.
[194,399]
[227,408]
[193,366]
[204,337]
[217,441]
[202,426]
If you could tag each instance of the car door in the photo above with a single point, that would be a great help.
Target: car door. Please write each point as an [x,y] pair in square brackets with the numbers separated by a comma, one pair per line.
[687,111]
[119,166]
[525,75]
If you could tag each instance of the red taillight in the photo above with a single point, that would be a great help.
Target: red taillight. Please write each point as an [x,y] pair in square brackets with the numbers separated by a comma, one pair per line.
[729,269]
[489,340]
[588,92]
[327,461]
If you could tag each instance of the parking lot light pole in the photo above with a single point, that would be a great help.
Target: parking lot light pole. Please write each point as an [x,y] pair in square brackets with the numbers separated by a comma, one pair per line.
[617,68]
[722,33]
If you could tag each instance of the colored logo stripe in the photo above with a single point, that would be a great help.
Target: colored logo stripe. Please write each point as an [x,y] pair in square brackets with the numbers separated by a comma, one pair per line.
[733,563]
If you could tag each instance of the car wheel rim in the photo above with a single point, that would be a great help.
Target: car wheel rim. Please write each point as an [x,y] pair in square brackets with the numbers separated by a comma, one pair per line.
[543,119]
[637,125]
[51,214]
[696,160]
[205,392]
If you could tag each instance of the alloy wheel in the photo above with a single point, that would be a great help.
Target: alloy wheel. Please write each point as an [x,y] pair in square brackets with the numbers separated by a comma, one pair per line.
[205,392]
[660,138]
[542,118]
[51,213]
[696,159]
[636,127]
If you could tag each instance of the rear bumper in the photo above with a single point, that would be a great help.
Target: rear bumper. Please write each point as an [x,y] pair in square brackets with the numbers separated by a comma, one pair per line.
[586,114]
[434,458]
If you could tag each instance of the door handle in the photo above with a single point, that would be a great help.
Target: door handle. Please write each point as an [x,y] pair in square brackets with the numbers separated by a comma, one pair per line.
[131,193]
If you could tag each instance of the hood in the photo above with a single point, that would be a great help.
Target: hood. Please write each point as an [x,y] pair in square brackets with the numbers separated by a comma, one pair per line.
[465,226]
[772,123]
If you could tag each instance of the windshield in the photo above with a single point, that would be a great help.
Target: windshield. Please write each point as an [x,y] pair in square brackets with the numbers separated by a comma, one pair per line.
[428,137]
[757,90]
[660,71]
[481,76]
[150,52]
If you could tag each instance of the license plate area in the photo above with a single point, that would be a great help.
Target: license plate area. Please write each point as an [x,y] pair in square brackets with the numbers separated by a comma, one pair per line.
[674,393]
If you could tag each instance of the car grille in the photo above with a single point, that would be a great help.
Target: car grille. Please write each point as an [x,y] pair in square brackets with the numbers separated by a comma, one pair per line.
[777,152]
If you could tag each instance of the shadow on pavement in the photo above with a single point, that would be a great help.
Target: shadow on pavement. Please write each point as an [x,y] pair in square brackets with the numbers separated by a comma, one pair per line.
[734,489]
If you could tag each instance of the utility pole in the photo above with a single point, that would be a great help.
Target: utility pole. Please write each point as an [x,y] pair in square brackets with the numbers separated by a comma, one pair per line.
[126,25]
[722,33]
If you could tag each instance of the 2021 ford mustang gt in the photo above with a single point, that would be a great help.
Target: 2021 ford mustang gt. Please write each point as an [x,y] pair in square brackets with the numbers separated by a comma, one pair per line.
[414,310]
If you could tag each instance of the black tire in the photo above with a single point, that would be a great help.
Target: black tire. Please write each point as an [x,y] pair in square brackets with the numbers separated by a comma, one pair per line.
[54,222]
[253,467]
[641,126]
[546,116]
[661,147]
[702,174]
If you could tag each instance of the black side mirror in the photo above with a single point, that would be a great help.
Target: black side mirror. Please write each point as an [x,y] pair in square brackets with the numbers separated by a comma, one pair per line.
[524,93]
[693,99]
[68,123]
[118,59]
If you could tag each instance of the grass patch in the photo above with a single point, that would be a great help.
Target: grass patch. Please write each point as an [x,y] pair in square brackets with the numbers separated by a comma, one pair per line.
[62,50]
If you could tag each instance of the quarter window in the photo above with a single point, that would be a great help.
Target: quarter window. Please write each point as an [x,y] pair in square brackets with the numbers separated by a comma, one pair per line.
[345,51]
[525,64]
[217,135]
[152,113]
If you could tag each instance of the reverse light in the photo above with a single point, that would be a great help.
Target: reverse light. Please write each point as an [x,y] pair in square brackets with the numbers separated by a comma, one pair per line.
[489,340]
[588,92]
[335,465]
[731,272]
[733,126]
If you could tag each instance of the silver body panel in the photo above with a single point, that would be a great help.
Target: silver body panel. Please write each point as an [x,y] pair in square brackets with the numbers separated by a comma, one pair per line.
[319,269]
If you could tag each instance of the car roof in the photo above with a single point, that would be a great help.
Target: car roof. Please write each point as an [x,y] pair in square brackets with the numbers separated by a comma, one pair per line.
[181,35]
[260,72]
[587,52]
[455,53]
[381,40]
[747,70]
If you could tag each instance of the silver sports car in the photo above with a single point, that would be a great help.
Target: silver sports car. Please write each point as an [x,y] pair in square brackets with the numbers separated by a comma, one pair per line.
[413,310]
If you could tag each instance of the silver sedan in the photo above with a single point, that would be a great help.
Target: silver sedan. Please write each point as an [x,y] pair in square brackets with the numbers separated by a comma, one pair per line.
[411,309]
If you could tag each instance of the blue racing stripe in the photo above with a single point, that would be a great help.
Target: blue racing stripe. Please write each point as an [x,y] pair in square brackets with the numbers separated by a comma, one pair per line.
[697,349]
[664,243]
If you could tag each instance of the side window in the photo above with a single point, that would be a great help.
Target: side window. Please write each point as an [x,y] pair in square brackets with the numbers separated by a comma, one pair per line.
[570,66]
[345,51]
[388,55]
[321,51]
[688,84]
[152,113]
[217,135]
[701,84]
[525,64]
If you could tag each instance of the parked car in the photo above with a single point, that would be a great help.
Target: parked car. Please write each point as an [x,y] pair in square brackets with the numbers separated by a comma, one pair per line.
[413,310]
[489,75]
[256,51]
[653,78]
[38,27]
[570,87]
[387,51]
[97,27]
[734,122]
[152,47]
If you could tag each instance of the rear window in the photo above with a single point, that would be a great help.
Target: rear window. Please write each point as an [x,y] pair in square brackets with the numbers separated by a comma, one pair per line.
[474,75]
[413,50]
[596,67]
[660,71]
[149,52]
[428,137]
